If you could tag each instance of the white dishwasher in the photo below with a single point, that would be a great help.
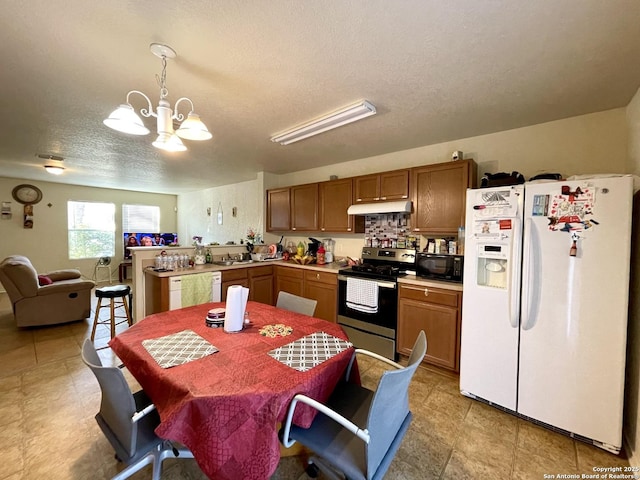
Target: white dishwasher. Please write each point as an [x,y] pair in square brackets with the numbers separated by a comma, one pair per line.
[175,290]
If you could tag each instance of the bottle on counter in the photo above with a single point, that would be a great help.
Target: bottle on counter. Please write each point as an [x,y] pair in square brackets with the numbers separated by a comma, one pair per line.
[208,257]
[320,255]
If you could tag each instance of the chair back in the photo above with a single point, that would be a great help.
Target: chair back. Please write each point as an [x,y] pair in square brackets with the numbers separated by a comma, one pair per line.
[117,405]
[18,277]
[389,409]
[294,303]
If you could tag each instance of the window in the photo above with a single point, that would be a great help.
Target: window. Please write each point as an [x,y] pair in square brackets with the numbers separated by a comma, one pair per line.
[92,229]
[140,218]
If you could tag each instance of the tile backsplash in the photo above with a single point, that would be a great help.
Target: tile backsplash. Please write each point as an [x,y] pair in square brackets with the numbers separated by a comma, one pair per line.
[392,230]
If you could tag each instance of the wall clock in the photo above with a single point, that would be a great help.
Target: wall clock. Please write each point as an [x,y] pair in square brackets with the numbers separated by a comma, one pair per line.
[27,194]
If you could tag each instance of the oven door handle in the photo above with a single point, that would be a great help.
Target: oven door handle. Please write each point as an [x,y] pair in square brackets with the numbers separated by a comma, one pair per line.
[380,283]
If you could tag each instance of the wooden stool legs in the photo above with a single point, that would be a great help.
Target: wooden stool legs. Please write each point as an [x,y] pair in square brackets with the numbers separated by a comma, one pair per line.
[114,303]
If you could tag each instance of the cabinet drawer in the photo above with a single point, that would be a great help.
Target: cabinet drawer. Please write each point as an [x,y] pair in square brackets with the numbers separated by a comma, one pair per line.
[429,294]
[260,271]
[230,275]
[322,277]
[290,272]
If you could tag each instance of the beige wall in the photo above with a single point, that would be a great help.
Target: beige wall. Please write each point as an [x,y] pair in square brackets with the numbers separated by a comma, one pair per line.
[632,388]
[247,198]
[46,244]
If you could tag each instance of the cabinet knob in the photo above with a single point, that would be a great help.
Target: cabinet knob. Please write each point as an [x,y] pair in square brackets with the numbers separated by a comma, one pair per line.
[426,292]
[383,198]
[377,198]
[293,228]
[317,276]
[322,229]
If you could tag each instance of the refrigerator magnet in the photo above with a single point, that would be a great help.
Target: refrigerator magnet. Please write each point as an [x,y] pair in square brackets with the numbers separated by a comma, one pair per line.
[540,205]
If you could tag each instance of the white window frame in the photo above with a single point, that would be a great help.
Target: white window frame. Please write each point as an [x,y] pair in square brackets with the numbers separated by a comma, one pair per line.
[91,228]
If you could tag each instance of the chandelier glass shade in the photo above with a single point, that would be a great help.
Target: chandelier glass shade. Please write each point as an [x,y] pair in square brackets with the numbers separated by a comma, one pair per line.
[125,119]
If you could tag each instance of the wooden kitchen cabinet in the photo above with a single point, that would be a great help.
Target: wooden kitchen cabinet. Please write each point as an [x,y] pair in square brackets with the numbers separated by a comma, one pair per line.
[233,277]
[261,284]
[438,193]
[278,210]
[323,287]
[304,207]
[437,312]
[383,186]
[336,196]
[290,280]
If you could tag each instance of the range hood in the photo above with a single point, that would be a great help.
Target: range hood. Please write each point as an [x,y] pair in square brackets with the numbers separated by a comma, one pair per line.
[402,206]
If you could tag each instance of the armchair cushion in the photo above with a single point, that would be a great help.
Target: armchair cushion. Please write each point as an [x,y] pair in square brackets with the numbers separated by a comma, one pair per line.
[68,274]
[44,280]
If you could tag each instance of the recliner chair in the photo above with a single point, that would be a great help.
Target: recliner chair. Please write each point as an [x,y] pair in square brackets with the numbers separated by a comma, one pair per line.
[128,420]
[56,297]
[358,432]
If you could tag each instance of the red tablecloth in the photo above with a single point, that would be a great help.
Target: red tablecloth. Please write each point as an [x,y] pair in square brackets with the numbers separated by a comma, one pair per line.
[225,407]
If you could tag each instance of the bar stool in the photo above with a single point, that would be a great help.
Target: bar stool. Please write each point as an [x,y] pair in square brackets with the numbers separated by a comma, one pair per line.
[118,296]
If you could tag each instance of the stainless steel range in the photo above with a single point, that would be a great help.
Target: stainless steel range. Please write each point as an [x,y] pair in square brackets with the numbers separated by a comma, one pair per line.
[368,298]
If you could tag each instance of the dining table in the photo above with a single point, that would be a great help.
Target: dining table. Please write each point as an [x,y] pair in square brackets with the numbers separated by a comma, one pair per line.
[223,394]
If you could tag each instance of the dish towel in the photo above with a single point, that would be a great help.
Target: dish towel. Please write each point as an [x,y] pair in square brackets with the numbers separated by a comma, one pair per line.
[310,351]
[178,348]
[196,289]
[362,295]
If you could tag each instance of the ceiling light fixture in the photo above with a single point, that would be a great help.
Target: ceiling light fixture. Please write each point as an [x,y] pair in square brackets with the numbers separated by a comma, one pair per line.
[52,169]
[333,120]
[124,118]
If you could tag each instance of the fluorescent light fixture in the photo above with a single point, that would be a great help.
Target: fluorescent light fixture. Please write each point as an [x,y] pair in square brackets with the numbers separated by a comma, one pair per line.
[333,120]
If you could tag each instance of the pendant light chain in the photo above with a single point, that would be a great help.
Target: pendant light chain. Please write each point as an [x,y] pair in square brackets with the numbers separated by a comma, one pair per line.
[162,79]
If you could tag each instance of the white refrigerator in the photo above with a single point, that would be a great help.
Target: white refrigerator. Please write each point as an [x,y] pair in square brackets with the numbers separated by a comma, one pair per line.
[544,310]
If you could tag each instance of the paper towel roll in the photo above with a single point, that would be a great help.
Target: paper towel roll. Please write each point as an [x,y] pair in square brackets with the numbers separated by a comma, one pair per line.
[237,296]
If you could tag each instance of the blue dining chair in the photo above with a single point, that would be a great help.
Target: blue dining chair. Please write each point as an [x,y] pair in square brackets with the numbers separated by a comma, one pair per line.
[128,420]
[358,432]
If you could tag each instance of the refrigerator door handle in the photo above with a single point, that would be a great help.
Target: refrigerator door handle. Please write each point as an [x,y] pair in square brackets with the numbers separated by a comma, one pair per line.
[531,278]
[514,294]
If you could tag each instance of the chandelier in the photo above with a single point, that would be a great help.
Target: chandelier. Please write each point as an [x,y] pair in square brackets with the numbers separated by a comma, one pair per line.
[125,119]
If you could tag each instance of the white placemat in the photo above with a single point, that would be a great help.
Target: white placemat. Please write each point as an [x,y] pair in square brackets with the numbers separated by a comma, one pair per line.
[178,348]
[310,351]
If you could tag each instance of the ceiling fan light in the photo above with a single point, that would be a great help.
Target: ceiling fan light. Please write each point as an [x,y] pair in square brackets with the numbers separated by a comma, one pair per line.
[193,128]
[125,119]
[169,143]
[54,169]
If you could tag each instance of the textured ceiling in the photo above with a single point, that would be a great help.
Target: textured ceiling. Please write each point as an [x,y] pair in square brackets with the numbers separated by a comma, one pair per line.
[436,71]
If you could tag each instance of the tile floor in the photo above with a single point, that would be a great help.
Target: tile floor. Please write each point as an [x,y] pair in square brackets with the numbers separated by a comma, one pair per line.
[47,431]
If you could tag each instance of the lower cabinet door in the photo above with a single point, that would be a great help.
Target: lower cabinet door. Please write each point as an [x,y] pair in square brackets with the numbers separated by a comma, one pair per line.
[439,323]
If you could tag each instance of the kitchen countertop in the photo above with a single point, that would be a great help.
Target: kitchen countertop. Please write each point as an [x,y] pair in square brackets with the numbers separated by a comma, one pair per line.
[423,282]
[210,267]
[330,268]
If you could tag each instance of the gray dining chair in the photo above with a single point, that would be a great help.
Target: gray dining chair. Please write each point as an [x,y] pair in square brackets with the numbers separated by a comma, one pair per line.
[358,432]
[128,420]
[294,303]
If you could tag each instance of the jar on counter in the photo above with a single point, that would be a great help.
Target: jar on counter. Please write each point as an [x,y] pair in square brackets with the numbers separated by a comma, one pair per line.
[320,255]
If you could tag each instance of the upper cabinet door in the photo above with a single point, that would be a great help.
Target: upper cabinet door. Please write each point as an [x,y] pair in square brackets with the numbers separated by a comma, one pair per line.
[304,207]
[278,210]
[381,186]
[335,199]
[438,194]
[394,185]
[367,188]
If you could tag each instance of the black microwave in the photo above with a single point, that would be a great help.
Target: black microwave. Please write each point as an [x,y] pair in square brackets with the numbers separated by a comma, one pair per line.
[440,266]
